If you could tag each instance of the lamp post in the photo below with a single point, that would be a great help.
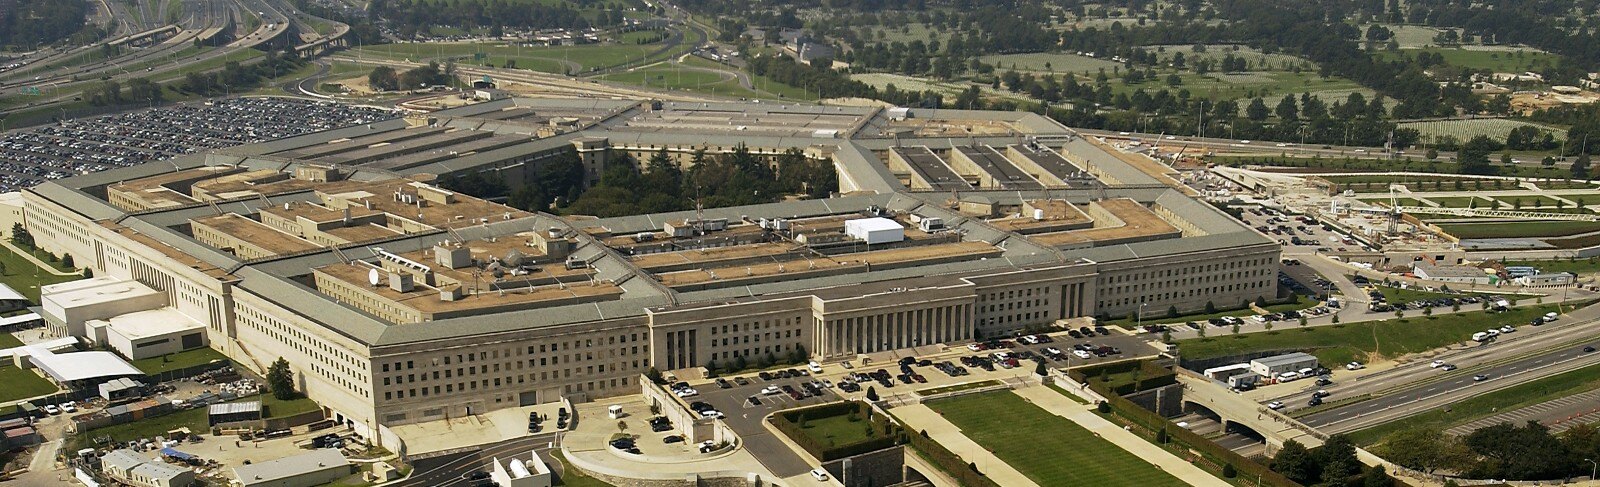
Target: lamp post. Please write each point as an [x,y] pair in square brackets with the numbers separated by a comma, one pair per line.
[1138,322]
[1593,469]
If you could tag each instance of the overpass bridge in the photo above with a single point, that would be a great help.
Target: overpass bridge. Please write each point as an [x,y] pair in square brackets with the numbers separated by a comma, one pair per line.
[334,40]
[146,37]
[1212,399]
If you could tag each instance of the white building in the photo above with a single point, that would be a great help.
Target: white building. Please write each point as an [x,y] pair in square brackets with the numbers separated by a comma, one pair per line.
[1544,280]
[875,231]
[10,212]
[319,467]
[134,469]
[1452,273]
[517,472]
[69,304]
[150,333]
[1277,364]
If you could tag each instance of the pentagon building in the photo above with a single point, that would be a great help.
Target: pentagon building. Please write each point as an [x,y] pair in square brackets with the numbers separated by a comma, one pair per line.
[397,301]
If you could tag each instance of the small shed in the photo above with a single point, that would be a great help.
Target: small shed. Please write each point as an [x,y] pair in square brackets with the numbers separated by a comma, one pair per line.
[234,412]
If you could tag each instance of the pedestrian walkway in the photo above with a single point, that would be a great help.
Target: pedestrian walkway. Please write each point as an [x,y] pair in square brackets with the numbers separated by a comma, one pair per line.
[919,417]
[35,260]
[1060,405]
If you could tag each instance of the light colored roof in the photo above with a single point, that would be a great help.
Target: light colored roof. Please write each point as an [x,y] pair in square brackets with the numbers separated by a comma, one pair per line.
[874,224]
[90,292]
[22,318]
[158,471]
[77,366]
[271,470]
[234,408]
[123,459]
[1285,359]
[8,294]
[155,322]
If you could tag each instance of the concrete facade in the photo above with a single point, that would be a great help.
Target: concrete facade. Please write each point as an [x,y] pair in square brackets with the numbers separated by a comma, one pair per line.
[460,325]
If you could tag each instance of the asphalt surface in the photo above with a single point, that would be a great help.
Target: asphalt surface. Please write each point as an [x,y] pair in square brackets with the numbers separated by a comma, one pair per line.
[1428,388]
[451,469]
[745,419]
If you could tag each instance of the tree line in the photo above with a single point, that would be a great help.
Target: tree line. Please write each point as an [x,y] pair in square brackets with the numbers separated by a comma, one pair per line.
[31,23]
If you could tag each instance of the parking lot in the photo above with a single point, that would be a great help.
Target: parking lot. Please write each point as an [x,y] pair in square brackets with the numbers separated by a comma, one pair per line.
[74,147]
[745,417]
[1299,235]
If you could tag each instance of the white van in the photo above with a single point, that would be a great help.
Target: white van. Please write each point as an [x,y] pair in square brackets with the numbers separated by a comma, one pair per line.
[1549,317]
[1288,376]
[1480,336]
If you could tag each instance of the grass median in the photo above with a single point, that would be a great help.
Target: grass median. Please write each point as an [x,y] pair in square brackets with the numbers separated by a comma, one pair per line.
[1052,450]
[1521,395]
[1364,341]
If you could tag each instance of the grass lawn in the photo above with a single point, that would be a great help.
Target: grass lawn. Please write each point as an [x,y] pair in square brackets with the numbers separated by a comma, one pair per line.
[667,76]
[1400,201]
[1519,229]
[26,277]
[22,384]
[1050,450]
[8,340]
[194,419]
[1397,295]
[1464,130]
[178,361]
[1465,201]
[1157,317]
[572,477]
[1069,394]
[1499,61]
[1520,395]
[278,408]
[1582,266]
[1057,63]
[1228,86]
[1338,344]
[548,59]
[836,430]
[958,387]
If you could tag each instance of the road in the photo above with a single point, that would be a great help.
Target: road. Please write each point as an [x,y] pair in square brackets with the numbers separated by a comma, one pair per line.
[451,469]
[1418,387]
[1273,148]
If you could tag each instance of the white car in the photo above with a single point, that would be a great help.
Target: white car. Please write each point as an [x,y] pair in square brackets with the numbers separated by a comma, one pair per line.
[1288,376]
[815,367]
[1508,329]
[819,474]
[1275,405]
[974,347]
[1549,317]
[1244,142]
[770,390]
[1354,366]
[1436,364]
[1081,354]
[52,409]
[686,392]
[69,407]
[1052,350]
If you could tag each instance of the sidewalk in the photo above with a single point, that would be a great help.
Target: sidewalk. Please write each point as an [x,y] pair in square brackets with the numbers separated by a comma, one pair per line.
[1059,405]
[920,418]
[35,260]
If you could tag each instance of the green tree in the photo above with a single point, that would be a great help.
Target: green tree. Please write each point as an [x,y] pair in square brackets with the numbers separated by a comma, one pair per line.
[67,262]
[280,380]
[1296,462]
[21,236]
[383,78]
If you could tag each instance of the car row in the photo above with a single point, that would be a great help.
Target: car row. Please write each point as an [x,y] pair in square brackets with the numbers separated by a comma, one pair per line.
[73,147]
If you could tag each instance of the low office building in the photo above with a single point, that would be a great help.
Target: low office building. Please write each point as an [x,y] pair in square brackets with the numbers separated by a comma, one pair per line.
[150,333]
[1278,364]
[397,301]
[1452,273]
[1546,280]
[320,466]
[69,305]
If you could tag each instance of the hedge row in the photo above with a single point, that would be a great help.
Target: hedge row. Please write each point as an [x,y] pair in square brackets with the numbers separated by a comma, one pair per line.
[951,463]
[1199,444]
[789,423]
[1151,376]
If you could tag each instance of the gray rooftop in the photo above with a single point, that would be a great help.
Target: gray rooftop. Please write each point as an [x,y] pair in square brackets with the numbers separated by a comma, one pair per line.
[286,467]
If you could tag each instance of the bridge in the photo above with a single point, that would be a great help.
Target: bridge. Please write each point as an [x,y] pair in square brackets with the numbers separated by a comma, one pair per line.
[1500,213]
[1239,415]
[150,35]
[336,39]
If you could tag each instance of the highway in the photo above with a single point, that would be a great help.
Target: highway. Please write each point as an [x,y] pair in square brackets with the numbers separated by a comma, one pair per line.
[1418,387]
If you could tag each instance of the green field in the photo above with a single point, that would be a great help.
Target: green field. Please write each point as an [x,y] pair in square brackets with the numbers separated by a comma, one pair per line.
[1058,63]
[1410,162]
[1157,317]
[1463,201]
[1464,130]
[1500,61]
[25,277]
[551,59]
[1050,450]
[178,361]
[194,419]
[1397,295]
[1398,201]
[1519,229]
[1581,266]
[278,408]
[8,340]
[1343,343]
[1410,36]
[1216,52]
[669,77]
[22,384]
[1239,85]
[1467,410]
[1536,202]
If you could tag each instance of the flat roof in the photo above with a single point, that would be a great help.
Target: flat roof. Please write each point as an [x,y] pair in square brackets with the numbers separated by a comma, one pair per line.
[1001,169]
[931,168]
[9,294]
[155,322]
[76,366]
[268,238]
[90,292]
[1137,222]
[282,468]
